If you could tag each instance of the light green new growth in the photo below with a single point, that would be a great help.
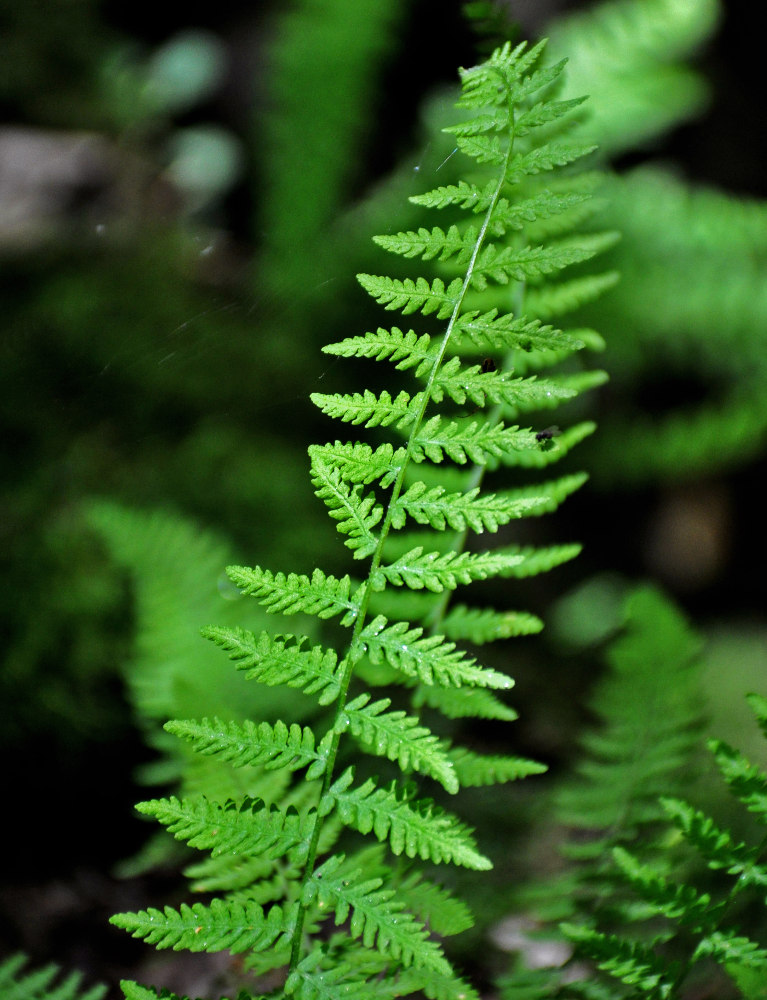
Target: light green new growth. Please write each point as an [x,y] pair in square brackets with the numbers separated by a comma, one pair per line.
[296,891]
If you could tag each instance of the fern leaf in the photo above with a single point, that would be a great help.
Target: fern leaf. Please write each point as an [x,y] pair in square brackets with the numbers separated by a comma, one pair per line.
[519,394]
[747,782]
[481,625]
[407,350]
[233,926]
[247,743]
[476,443]
[281,660]
[399,737]
[311,981]
[435,906]
[465,703]
[374,913]
[415,827]
[430,659]
[631,963]
[356,515]
[462,195]
[540,160]
[728,948]
[556,298]
[681,903]
[413,296]
[531,262]
[41,984]
[716,845]
[474,510]
[321,595]
[430,244]
[493,332]
[443,571]
[475,769]
[532,561]
[250,827]
[359,463]
[371,410]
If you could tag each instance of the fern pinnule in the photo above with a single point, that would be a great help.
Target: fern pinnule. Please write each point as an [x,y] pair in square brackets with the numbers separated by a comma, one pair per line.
[393,624]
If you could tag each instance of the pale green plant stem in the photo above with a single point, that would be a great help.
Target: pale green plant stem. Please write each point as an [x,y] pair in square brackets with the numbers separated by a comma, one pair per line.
[356,649]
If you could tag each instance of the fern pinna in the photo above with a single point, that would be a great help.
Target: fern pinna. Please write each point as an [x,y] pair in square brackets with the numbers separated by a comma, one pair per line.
[284,866]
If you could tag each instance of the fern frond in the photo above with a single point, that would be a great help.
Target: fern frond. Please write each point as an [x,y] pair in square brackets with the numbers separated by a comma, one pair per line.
[518,394]
[406,350]
[249,743]
[356,515]
[677,902]
[250,827]
[42,984]
[476,443]
[371,410]
[729,948]
[359,463]
[715,844]
[438,571]
[630,962]
[398,736]
[222,925]
[465,703]
[281,660]
[429,658]
[415,827]
[374,913]
[435,906]
[493,332]
[474,510]
[309,981]
[321,595]
[554,299]
[481,625]
[413,296]
[747,782]
[474,770]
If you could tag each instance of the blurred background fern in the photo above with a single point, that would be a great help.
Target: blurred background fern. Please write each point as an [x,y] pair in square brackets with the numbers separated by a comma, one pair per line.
[184,201]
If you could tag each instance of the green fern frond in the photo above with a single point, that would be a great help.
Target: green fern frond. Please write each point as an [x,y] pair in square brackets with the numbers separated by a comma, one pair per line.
[669,899]
[248,827]
[715,844]
[747,782]
[465,703]
[481,625]
[474,770]
[281,660]
[435,906]
[219,926]
[399,737]
[437,571]
[415,827]
[474,510]
[42,984]
[249,743]
[356,515]
[630,962]
[493,332]
[518,130]
[405,350]
[729,948]
[375,914]
[359,463]
[413,296]
[321,595]
[429,658]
